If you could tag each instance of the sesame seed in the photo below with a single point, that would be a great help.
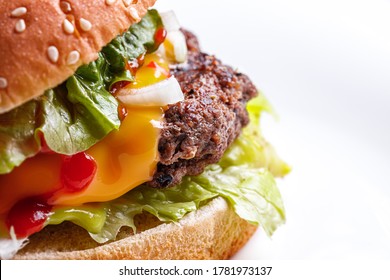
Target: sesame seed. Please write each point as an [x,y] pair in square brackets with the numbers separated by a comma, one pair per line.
[65,7]
[127,2]
[53,54]
[19,12]
[134,14]
[3,82]
[68,26]
[85,24]
[73,57]
[20,26]
[110,2]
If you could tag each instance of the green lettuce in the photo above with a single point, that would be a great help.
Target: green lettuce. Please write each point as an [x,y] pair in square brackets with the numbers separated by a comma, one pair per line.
[17,136]
[251,147]
[168,205]
[241,177]
[128,45]
[90,217]
[81,111]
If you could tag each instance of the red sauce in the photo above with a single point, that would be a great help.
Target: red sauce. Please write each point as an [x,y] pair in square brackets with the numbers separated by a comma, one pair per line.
[77,172]
[122,112]
[117,86]
[160,36]
[161,70]
[141,60]
[28,216]
[134,64]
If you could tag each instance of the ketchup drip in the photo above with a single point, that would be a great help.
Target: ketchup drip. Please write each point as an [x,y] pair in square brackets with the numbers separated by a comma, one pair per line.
[160,36]
[134,64]
[117,86]
[77,172]
[158,68]
[28,216]
[122,112]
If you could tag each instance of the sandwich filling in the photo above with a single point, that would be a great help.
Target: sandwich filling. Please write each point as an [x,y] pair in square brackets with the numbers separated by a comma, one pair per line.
[146,114]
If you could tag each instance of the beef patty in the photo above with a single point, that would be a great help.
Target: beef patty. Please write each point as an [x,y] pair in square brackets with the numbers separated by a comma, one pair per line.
[199,129]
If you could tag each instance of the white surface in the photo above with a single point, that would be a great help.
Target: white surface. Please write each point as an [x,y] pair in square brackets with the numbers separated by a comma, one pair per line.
[325,66]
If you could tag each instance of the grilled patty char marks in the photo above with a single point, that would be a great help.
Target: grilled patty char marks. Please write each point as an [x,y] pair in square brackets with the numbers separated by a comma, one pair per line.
[198,130]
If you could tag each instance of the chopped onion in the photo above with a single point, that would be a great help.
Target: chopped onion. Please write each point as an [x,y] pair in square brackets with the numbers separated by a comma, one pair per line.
[160,94]
[170,21]
[9,247]
[178,41]
[175,37]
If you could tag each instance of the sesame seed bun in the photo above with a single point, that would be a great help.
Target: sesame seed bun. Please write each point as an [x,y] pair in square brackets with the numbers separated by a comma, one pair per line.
[42,45]
[212,232]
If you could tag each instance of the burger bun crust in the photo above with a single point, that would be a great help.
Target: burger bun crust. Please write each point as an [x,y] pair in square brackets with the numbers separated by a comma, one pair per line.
[212,232]
[39,50]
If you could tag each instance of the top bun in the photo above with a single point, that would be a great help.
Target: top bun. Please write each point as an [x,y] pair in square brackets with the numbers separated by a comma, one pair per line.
[44,42]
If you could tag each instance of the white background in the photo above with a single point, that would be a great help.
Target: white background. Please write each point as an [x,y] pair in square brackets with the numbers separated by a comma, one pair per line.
[325,67]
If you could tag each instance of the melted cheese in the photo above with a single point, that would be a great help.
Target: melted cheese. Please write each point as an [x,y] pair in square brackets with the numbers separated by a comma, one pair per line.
[155,69]
[125,159]
[36,176]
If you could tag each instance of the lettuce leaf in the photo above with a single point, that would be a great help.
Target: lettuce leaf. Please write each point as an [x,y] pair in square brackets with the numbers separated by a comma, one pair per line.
[72,121]
[252,192]
[90,217]
[17,136]
[241,177]
[81,111]
[168,205]
[251,147]
[127,47]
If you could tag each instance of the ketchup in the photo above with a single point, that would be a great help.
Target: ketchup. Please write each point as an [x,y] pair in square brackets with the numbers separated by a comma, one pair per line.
[77,172]
[161,70]
[28,216]
[160,36]
[133,64]
[117,86]
[122,112]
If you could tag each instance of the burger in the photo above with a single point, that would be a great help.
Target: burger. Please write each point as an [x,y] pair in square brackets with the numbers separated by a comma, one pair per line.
[121,139]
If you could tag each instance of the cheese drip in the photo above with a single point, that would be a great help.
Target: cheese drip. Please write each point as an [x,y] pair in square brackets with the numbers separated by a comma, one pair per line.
[125,159]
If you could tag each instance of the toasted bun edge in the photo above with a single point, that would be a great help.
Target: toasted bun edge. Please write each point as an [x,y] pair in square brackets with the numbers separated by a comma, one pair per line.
[214,231]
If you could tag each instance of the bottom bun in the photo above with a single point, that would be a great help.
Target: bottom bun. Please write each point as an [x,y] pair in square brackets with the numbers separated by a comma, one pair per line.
[212,232]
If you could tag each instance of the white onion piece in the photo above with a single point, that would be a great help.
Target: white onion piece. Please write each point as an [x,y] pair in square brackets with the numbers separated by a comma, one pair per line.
[9,247]
[161,52]
[170,21]
[177,39]
[160,94]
